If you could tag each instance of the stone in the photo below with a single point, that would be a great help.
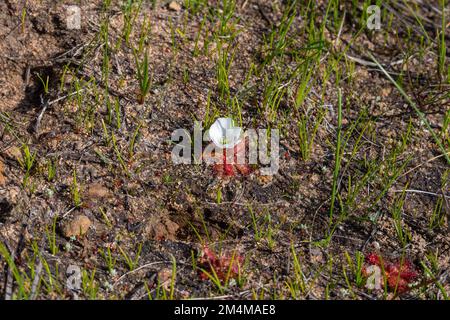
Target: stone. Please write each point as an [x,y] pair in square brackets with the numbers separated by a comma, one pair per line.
[14,153]
[13,194]
[161,229]
[97,191]
[78,226]
[174,6]
[165,278]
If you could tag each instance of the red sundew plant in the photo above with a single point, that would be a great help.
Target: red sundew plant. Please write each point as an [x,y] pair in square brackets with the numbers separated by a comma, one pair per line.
[399,274]
[231,169]
[221,267]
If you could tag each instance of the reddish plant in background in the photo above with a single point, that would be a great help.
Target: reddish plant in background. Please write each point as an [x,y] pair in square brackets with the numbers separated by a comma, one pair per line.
[225,266]
[373,259]
[399,274]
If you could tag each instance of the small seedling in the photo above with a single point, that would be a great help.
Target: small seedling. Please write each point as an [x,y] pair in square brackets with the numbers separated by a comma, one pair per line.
[133,141]
[109,259]
[89,285]
[337,158]
[51,170]
[131,263]
[27,162]
[44,82]
[23,18]
[297,284]
[51,237]
[307,131]
[143,76]
[105,217]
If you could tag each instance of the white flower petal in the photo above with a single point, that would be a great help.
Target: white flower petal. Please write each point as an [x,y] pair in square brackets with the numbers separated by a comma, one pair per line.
[224,133]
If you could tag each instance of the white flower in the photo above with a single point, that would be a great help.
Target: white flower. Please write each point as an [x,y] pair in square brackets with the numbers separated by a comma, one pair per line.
[224,133]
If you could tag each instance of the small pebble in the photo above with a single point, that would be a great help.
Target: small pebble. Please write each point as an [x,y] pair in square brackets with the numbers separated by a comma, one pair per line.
[174,6]
[78,226]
